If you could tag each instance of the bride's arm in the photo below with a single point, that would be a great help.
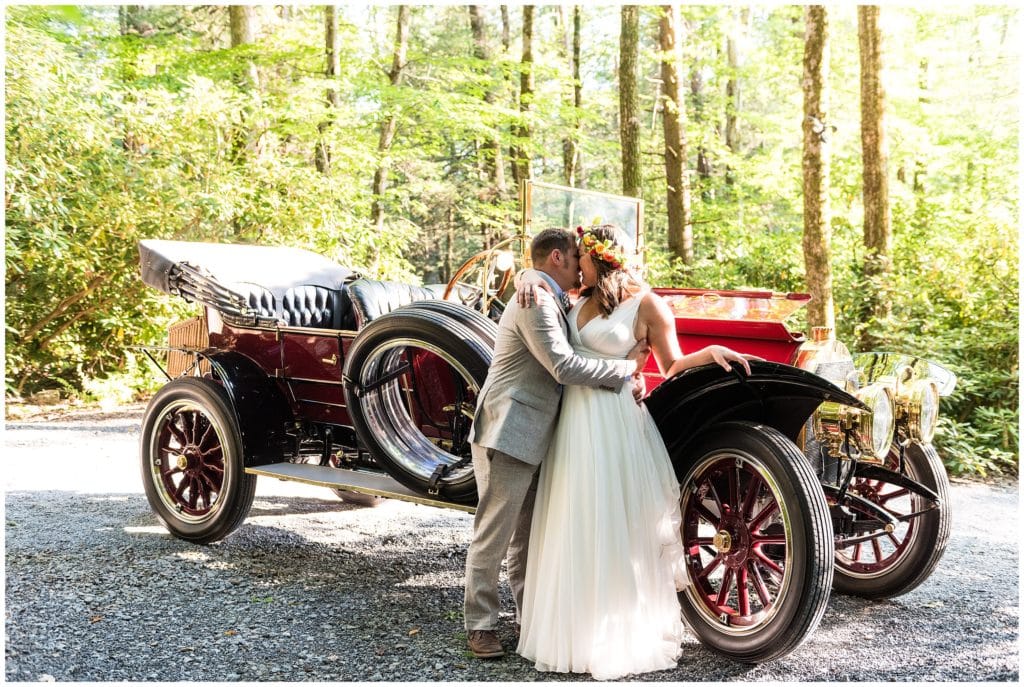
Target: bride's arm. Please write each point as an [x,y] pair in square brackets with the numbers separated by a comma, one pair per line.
[528,282]
[657,324]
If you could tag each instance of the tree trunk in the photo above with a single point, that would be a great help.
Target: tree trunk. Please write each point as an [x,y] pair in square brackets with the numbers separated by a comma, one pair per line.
[521,155]
[571,145]
[704,167]
[816,162]
[390,124]
[738,28]
[629,101]
[680,223]
[331,71]
[245,140]
[242,20]
[737,33]
[494,162]
[877,224]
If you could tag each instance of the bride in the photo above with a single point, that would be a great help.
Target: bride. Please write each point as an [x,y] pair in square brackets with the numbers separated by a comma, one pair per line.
[605,552]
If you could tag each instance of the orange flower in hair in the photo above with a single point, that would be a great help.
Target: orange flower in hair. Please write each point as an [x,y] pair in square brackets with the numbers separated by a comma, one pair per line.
[608,253]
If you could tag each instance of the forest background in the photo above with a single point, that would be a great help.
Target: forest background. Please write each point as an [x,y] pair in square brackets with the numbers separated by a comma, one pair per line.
[392,138]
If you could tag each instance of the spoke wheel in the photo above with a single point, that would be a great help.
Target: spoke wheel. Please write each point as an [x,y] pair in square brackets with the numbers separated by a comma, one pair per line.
[192,465]
[757,541]
[481,282]
[414,378]
[893,563]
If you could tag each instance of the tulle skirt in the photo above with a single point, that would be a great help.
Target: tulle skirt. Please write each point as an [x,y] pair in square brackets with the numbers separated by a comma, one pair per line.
[605,553]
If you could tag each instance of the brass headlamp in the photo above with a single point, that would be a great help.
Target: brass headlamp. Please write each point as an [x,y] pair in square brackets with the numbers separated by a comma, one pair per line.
[917,406]
[871,431]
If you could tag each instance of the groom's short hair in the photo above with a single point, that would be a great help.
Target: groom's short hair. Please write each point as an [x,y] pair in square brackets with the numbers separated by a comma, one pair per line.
[548,240]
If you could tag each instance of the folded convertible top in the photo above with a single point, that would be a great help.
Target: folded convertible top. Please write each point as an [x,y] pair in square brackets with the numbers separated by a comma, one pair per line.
[223,275]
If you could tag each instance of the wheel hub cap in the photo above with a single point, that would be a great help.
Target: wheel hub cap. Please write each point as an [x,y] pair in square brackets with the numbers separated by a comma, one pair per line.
[722,541]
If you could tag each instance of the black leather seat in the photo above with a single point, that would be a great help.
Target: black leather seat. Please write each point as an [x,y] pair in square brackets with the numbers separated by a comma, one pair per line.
[371,299]
[305,305]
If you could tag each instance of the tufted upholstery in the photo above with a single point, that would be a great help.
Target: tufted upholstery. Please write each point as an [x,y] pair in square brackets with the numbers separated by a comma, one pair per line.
[371,299]
[308,305]
[305,305]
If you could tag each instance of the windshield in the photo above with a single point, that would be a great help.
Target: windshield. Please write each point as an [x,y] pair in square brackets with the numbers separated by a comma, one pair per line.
[548,205]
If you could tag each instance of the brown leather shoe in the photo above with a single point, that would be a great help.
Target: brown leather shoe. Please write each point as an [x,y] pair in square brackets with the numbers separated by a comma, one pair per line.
[485,644]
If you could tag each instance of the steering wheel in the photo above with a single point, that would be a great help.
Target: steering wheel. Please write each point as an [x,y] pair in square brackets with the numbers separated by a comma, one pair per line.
[480,281]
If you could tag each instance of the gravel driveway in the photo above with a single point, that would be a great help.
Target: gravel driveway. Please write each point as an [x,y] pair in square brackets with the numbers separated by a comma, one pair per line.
[310,588]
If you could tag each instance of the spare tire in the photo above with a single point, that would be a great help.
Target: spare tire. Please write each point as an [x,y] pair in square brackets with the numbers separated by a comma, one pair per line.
[411,381]
[485,327]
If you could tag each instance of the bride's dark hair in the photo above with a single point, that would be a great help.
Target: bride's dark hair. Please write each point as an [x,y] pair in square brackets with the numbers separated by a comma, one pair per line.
[612,282]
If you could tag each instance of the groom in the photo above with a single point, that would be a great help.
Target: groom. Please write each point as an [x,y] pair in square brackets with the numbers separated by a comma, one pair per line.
[515,418]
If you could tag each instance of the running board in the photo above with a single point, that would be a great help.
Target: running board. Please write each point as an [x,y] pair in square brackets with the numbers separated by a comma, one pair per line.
[374,484]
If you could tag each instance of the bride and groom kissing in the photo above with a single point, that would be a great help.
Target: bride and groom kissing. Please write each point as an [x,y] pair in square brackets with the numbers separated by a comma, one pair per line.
[574,481]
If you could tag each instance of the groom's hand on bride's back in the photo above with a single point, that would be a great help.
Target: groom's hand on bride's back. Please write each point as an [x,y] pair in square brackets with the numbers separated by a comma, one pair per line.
[639,387]
[638,354]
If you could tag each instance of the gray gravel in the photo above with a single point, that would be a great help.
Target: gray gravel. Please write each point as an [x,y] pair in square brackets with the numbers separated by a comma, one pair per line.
[310,588]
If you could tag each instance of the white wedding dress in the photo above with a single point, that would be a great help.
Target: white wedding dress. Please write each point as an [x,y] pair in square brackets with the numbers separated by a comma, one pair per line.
[605,551]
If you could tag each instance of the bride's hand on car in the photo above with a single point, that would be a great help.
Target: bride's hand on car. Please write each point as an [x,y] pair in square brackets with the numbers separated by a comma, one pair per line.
[725,356]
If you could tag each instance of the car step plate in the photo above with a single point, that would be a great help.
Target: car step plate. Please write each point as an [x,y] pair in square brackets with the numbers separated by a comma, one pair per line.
[352,480]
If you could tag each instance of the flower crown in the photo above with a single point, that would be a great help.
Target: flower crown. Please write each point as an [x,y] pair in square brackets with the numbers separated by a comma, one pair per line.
[601,250]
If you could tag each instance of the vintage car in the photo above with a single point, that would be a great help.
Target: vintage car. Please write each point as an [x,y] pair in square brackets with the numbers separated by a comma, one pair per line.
[814,472]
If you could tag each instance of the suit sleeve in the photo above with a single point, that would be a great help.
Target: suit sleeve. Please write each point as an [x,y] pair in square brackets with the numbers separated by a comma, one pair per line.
[542,332]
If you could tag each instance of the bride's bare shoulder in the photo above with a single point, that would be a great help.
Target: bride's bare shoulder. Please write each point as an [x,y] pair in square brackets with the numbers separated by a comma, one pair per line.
[653,307]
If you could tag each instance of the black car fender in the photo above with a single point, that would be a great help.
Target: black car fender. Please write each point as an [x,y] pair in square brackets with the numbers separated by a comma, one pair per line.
[261,409]
[780,396]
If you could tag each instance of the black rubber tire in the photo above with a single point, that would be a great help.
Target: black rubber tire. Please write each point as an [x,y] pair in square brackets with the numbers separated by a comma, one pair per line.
[484,327]
[802,591]
[195,415]
[928,539]
[381,422]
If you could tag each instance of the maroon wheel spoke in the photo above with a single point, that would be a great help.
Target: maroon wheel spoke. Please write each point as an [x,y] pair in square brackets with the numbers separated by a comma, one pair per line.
[759,586]
[742,592]
[710,568]
[734,488]
[176,431]
[182,486]
[206,436]
[767,562]
[876,546]
[892,537]
[713,493]
[766,512]
[193,492]
[706,514]
[753,487]
[762,539]
[188,421]
[209,484]
[212,453]
[856,551]
[723,591]
[704,541]
[883,498]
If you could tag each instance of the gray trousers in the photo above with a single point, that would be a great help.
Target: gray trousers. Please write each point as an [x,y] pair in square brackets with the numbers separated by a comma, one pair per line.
[507,488]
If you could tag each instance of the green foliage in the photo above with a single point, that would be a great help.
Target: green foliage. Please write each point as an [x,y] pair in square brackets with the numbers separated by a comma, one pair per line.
[131,122]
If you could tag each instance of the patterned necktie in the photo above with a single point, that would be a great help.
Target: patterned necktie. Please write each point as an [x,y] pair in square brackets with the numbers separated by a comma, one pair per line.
[564,299]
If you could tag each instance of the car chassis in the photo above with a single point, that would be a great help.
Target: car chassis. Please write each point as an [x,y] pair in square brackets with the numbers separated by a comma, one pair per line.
[814,472]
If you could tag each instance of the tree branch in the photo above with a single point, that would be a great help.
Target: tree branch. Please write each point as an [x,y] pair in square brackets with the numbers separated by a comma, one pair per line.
[62,307]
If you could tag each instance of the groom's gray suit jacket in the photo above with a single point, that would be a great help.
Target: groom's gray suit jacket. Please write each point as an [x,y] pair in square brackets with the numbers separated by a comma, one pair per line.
[518,405]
